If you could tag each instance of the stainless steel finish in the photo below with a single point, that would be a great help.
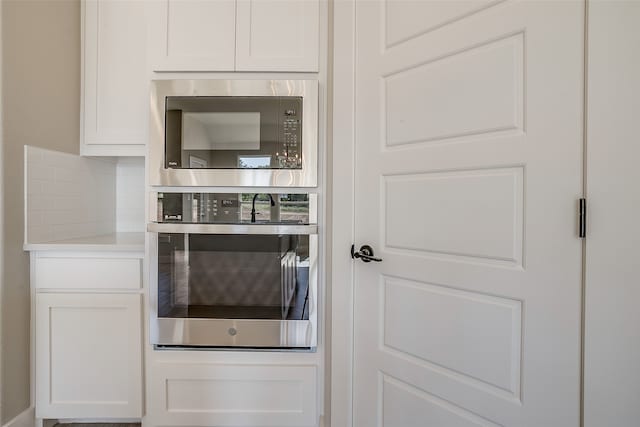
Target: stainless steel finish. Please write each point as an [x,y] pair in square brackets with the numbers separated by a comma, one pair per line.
[249,333]
[233,228]
[154,213]
[233,333]
[313,208]
[305,177]
[153,204]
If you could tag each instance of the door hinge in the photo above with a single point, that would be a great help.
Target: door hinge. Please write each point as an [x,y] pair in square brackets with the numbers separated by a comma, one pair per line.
[582,213]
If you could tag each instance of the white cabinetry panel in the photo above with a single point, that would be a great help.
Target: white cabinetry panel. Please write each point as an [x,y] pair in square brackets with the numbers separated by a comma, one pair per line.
[88,356]
[277,35]
[193,35]
[84,273]
[233,395]
[115,85]
[234,35]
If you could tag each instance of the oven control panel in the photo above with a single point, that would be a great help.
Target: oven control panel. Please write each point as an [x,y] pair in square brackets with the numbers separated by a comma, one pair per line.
[223,208]
[235,208]
[199,207]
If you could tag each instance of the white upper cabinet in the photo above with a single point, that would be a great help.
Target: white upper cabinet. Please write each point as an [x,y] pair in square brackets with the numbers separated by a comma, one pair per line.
[193,35]
[115,87]
[235,35]
[124,40]
[277,35]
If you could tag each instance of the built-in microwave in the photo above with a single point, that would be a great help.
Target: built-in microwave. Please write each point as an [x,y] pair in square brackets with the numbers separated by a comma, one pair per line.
[261,133]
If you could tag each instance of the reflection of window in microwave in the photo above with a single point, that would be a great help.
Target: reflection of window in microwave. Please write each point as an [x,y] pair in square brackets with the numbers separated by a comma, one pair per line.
[254,162]
[220,130]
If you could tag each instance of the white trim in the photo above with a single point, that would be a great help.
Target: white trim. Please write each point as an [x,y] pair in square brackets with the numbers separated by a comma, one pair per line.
[2,190]
[342,208]
[25,419]
[107,149]
[82,74]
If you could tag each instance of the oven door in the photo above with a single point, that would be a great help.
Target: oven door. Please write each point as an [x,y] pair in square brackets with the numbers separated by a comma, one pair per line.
[234,133]
[246,286]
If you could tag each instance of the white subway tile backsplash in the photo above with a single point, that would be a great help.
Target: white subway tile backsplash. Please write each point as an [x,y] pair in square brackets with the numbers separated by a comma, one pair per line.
[35,186]
[67,217]
[63,202]
[35,218]
[45,233]
[129,194]
[33,156]
[40,172]
[64,175]
[39,202]
[68,196]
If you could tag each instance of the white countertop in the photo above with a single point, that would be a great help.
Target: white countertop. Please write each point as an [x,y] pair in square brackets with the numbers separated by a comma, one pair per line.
[121,242]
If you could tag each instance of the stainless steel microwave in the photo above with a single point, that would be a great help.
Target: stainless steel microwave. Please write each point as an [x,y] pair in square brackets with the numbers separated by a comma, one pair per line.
[259,133]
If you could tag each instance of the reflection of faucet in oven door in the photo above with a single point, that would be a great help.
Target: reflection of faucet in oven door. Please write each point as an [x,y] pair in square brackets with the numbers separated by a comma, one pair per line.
[253,205]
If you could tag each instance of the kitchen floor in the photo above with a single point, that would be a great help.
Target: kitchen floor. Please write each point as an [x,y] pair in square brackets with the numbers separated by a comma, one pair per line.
[97,425]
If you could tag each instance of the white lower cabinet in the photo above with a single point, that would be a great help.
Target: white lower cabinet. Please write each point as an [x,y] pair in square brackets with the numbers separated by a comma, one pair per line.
[201,394]
[88,355]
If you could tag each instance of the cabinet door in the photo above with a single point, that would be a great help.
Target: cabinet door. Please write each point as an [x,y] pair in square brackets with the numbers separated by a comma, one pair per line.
[114,71]
[88,356]
[193,35]
[277,35]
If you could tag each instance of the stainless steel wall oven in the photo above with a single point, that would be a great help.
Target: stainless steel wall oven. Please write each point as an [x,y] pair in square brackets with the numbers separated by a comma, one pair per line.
[234,270]
[234,133]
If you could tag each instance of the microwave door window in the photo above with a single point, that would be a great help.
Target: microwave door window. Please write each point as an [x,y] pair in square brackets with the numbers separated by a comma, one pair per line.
[233,133]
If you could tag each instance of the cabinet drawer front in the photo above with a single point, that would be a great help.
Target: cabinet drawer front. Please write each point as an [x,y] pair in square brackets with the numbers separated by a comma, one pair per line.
[233,395]
[88,273]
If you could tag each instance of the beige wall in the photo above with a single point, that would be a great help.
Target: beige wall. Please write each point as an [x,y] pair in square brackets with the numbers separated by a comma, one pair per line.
[1,208]
[41,104]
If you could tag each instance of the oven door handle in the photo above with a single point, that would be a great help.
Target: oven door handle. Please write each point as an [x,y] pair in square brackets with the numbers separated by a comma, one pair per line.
[233,228]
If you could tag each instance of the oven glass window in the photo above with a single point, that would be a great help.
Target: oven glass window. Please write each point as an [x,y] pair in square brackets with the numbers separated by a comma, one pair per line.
[213,276]
[209,132]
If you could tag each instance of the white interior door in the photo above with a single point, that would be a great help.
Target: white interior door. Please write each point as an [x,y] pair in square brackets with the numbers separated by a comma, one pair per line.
[469,144]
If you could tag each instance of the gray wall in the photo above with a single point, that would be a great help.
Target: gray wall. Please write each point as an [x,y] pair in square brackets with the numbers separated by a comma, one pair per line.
[41,107]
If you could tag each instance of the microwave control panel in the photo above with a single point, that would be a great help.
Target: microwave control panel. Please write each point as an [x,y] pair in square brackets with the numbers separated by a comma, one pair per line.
[289,155]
